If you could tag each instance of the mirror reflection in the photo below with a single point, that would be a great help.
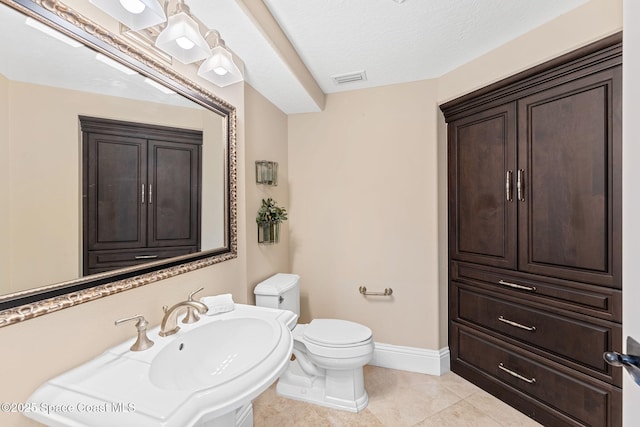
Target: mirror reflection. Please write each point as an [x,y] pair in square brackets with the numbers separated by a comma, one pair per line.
[47,82]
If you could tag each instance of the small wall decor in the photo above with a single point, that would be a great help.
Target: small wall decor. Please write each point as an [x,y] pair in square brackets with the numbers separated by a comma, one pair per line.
[266,172]
[269,217]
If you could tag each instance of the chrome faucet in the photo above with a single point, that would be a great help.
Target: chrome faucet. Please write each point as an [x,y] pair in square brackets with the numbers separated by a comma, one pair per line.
[169,325]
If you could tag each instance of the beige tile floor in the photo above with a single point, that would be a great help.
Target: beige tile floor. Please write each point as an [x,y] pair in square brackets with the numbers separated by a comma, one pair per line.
[397,399]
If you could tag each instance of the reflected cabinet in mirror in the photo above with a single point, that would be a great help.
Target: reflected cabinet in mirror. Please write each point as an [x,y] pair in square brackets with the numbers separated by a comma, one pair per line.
[66,206]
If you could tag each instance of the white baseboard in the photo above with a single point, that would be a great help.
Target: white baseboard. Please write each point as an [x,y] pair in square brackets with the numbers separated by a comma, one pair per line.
[412,359]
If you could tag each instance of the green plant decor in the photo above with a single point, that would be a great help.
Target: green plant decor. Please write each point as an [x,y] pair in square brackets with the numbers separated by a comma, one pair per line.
[270,215]
[270,212]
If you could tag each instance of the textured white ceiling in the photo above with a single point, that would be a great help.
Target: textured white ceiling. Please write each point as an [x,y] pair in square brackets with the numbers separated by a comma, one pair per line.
[392,42]
[401,42]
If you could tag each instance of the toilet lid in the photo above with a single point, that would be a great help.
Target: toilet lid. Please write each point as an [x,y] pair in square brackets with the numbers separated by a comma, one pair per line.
[334,332]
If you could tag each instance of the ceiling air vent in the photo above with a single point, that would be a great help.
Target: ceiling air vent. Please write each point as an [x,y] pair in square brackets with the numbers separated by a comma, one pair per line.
[342,79]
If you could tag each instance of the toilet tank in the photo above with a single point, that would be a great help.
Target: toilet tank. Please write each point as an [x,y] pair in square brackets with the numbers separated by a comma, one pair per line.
[279,291]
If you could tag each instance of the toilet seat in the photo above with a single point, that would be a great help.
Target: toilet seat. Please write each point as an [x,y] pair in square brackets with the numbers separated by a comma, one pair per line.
[336,333]
[335,339]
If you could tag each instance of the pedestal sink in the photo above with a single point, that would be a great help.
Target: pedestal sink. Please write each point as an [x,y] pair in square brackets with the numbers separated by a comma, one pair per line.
[232,347]
[201,376]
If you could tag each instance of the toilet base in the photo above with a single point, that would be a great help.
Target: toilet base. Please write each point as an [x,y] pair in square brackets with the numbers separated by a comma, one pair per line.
[336,389]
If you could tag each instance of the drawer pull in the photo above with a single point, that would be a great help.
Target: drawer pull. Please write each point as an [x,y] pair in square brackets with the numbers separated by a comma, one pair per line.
[146,256]
[517,375]
[516,286]
[516,324]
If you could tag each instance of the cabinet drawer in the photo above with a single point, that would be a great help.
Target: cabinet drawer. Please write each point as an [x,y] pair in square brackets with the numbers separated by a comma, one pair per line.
[126,258]
[575,339]
[597,301]
[574,398]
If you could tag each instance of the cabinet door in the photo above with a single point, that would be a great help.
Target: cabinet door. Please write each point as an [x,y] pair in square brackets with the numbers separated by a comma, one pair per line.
[482,210]
[174,213]
[115,191]
[570,156]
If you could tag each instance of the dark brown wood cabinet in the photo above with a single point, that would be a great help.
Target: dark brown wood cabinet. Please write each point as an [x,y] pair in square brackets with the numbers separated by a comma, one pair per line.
[535,239]
[141,189]
[482,158]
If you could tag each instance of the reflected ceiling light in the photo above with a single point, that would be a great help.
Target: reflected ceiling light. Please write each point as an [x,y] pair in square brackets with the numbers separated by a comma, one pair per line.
[135,14]
[114,64]
[220,68]
[158,86]
[181,38]
[51,32]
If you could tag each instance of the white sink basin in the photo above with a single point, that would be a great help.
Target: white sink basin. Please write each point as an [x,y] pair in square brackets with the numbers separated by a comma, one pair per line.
[233,347]
[202,375]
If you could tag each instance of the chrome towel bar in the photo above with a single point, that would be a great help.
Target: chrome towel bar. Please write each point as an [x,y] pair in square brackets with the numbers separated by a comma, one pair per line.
[385,293]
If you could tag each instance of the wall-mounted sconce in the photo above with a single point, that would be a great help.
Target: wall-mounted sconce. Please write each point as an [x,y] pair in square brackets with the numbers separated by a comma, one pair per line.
[180,34]
[266,172]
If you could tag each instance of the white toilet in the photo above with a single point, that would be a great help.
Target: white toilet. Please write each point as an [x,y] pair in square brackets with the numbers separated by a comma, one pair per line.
[329,353]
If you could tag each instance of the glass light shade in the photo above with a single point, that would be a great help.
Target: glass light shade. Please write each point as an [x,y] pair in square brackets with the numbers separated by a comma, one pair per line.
[266,172]
[126,11]
[182,39]
[133,6]
[220,69]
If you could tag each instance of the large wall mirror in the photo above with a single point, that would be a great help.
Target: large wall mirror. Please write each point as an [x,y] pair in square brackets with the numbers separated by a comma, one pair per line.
[47,83]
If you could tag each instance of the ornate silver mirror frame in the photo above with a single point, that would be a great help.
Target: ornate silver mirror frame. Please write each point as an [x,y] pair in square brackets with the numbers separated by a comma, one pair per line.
[20,306]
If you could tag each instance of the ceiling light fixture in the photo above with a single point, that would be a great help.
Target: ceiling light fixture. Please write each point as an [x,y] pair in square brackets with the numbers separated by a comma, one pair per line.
[135,14]
[181,38]
[179,35]
[220,68]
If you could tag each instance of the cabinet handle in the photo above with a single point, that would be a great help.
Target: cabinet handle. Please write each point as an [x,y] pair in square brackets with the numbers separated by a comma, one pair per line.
[507,186]
[520,185]
[516,286]
[142,194]
[150,194]
[517,325]
[146,256]
[517,375]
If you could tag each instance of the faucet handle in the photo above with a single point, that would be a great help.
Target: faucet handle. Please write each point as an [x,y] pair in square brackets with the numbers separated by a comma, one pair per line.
[192,316]
[142,342]
[195,292]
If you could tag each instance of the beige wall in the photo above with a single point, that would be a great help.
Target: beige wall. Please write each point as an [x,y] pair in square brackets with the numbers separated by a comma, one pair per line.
[363,190]
[45,203]
[368,187]
[266,139]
